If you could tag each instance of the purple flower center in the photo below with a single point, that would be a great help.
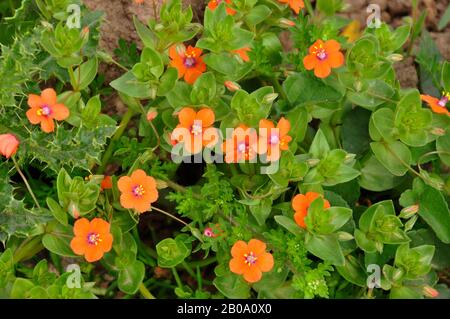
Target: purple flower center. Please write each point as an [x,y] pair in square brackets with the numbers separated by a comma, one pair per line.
[189,62]
[274,139]
[250,259]
[138,190]
[443,101]
[322,54]
[196,129]
[93,239]
[44,110]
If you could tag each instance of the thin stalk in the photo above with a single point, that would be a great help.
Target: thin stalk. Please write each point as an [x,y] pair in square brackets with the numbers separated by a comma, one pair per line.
[177,277]
[170,215]
[145,292]
[278,88]
[122,126]
[26,182]
[309,8]
[188,269]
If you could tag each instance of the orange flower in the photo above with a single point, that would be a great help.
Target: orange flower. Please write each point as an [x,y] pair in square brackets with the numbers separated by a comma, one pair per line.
[106,183]
[295,5]
[272,140]
[437,105]
[92,239]
[195,129]
[188,62]
[243,53]
[213,4]
[137,191]
[139,1]
[44,108]
[250,260]
[353,31]
[242,146]
[301,203]
[8,145]
[323,56]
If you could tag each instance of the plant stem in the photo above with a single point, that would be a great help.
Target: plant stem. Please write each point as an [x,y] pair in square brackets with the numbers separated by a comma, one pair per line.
[279,88]
[170,215]
[122,126]
[309,8]
[189,269]
[177,278]
[26,182]
[145,292]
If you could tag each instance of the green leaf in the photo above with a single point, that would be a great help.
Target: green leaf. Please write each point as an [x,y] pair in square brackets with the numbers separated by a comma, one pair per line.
[375,177]
[353,271]
[364,243]
[446,73]
[204,89]
[395,156]
[444,20]
[59,245]
[257,15]
[179,96]
[262,211]
[91,112]
[326,247]
[319,147]
[129,85]
[443,146]
[289,224]
[85,74]
[167,81]
[232,286]
[434,210]
[304,90]
[381,125]
[131,277]
[355,134]
[376,93]
[171,252]
[57,211]
[146,35]
[21,288]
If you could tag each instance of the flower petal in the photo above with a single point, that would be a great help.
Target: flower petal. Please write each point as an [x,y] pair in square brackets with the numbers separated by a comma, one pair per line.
[78,245]
[60,112]
[322,70]
[310,62]
[49,97]
[237,265]
[125,184]
[186,117]
[239,249]
[47,125]
[265,262]
[81,227]
[33,117]
[257,246]
[93,253]
[252,274]
[207,117]
[34,101]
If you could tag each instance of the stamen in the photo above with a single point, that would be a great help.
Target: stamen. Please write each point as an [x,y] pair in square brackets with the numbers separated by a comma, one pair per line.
[138,190]
[250,259]
[94,239]
[44,110]
[196,129]
[274,139]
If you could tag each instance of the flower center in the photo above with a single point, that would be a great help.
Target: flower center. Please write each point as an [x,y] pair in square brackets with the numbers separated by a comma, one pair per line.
[189,62]
[196,129]
[274,139]
[44,110]
[250,259]
[138,190]
[443,101]
[321,54]
[93,239]
[208,232]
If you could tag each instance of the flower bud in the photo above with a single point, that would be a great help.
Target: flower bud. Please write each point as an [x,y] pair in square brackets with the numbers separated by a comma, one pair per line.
[349,158]
[232,86]
[159,27]
[181,49]
[409,211]
[286,23]
[312,162]
[344,236]
[430,292]
[411,222]
[151,114]
[438,131]
[105,57]
[269,98]
[8,145]
[160,184]
[395,57]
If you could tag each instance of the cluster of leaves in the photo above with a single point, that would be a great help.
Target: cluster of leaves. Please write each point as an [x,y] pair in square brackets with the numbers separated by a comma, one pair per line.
[369,146]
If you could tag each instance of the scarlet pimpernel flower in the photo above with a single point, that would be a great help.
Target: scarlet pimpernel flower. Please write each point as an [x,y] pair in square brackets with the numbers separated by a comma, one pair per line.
[92,238]
[8,145]
[296,5]
[188,62]
[438,106]
[324,56]
[138,191]
[195,129]
[242,146]
[250,260]
[301,203]
[44,109]
[106,183]
[273,140]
